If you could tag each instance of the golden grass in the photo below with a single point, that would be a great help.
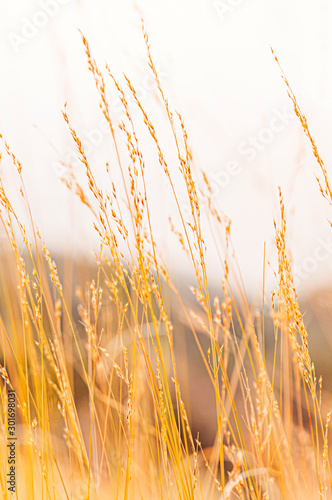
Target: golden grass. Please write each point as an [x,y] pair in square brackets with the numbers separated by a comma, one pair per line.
[101,399]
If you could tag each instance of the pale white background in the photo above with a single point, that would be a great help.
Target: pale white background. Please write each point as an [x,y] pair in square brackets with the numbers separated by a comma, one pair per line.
[217,70]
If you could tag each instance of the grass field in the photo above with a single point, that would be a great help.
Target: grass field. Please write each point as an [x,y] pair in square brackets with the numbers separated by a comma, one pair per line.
[114,384]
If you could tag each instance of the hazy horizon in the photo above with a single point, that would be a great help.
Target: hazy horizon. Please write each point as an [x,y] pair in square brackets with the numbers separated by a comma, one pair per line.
[217,69]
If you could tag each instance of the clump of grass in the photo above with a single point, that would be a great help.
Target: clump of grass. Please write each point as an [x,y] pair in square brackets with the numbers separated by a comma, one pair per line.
[102,411]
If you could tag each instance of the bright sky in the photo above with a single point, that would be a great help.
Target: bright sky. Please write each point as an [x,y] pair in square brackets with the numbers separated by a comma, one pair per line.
[216,67]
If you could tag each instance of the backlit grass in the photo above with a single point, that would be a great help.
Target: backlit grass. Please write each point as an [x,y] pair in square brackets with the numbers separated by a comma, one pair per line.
[101,380]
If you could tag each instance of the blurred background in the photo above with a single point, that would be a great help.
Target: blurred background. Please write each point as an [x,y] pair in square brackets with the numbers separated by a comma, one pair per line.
[216,67]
